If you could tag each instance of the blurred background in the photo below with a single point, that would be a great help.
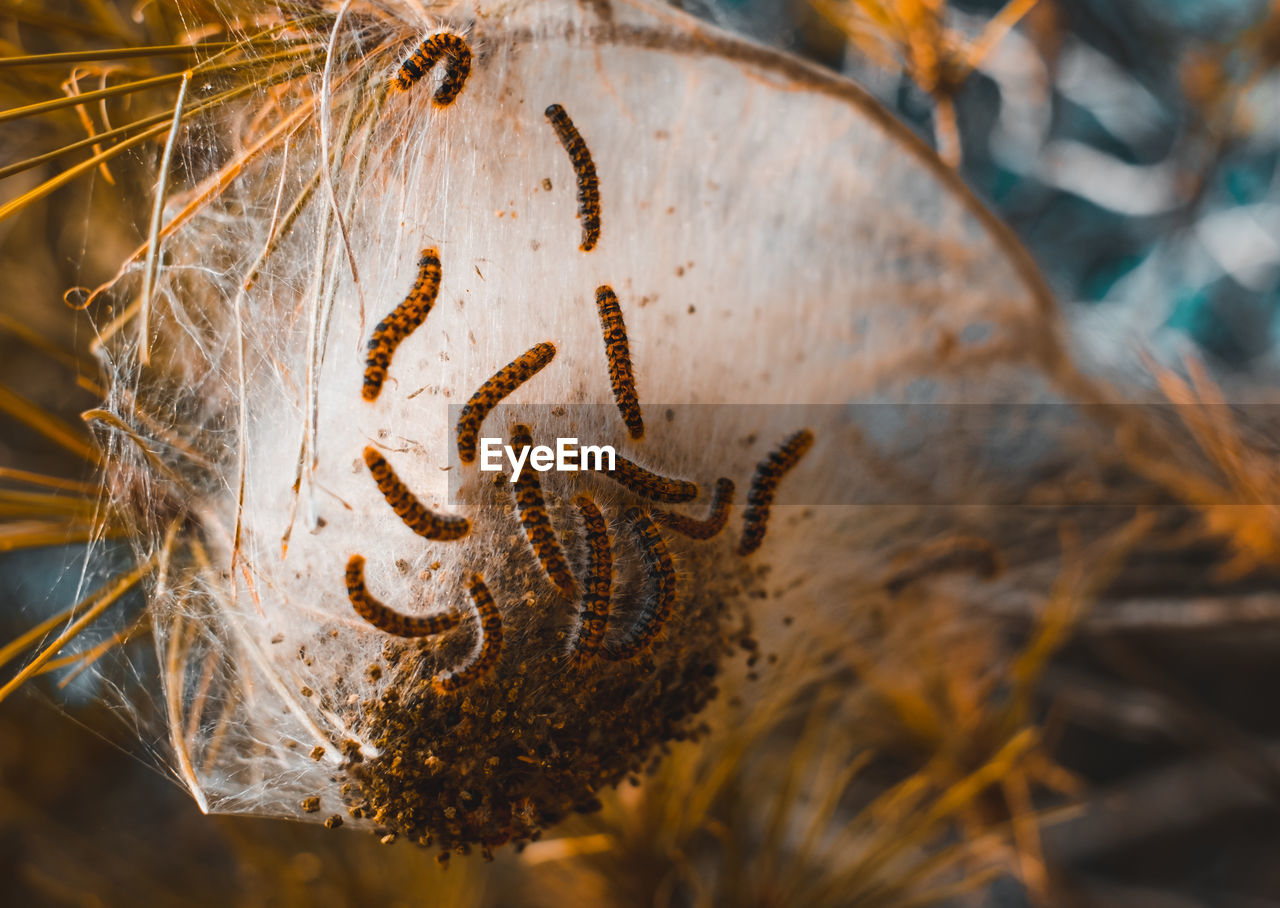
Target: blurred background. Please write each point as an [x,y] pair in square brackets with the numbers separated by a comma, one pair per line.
[1133,145]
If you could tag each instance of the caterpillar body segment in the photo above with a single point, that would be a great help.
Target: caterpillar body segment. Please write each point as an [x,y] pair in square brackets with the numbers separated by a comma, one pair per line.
[537,523]
[660,569]
[423,521]
[597,594]
[648,484]
[490,620]
[387,619]
[445,47]
[618,351]
[401,322]
[585,169]
[490,394]
[721,502]
[764,484]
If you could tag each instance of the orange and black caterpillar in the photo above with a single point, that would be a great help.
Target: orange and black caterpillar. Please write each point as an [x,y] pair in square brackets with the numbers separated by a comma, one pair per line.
[403,321]
[387,619]
[537,525]
[721,501]
[598,593]
[441,46]
[760,497]
[650,485]
[508,378]
[618,352]
[490,620]
[658,564]
[425,523]
[585,168]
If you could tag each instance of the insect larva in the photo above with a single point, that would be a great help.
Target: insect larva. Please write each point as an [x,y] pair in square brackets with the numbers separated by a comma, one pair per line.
[509,377]
[618,351]
[425,523]
[598,595]
[403,321]
[650,485]
[658,564]
[585,168]
[441,46]
[537,525]
[387,619]
[765,482]
[490,620]
[721,501]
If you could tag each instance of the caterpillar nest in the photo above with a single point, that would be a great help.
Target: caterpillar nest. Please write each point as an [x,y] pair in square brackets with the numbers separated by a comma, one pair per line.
[395,636]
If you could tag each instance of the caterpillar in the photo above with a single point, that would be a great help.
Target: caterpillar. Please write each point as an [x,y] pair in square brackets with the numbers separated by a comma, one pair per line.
[658,564]
[441,46]
[598,595]
[490,620]
[426,523]
[650,485]
[537,525]
[721,501]
[403,321]
[619,353]
[387,619]
[507,379]
[585,168]
[763,485]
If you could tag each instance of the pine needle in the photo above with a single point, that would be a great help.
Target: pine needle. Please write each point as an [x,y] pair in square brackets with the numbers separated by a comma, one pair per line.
[47,425]
[108,597]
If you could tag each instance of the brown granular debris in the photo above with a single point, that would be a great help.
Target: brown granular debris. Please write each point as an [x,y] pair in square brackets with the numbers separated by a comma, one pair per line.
[333,822]
[311,804]
[539,737]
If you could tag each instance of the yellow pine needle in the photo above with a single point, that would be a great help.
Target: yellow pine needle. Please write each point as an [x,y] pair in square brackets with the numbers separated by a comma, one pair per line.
[42,504]
[34,534]
[112,53]
[47,425]
[79,170]
[101,600]
[93,140]
[49,482]
[213,187]
[72,86]
[157,213]
[114,91]
[205,68]
[89,657]
[27,639]
[34,14]
[1000,25]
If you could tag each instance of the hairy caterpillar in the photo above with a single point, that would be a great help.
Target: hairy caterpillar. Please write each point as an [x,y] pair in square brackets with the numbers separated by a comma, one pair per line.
[585,168]
[387,619]
[763,485]
[650,485]
[490,621]
[506,380]
[537,525]
[598,589]
[659,566]
[401,322]
[619,353]
[451,48]
[426,523]
[721,502]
